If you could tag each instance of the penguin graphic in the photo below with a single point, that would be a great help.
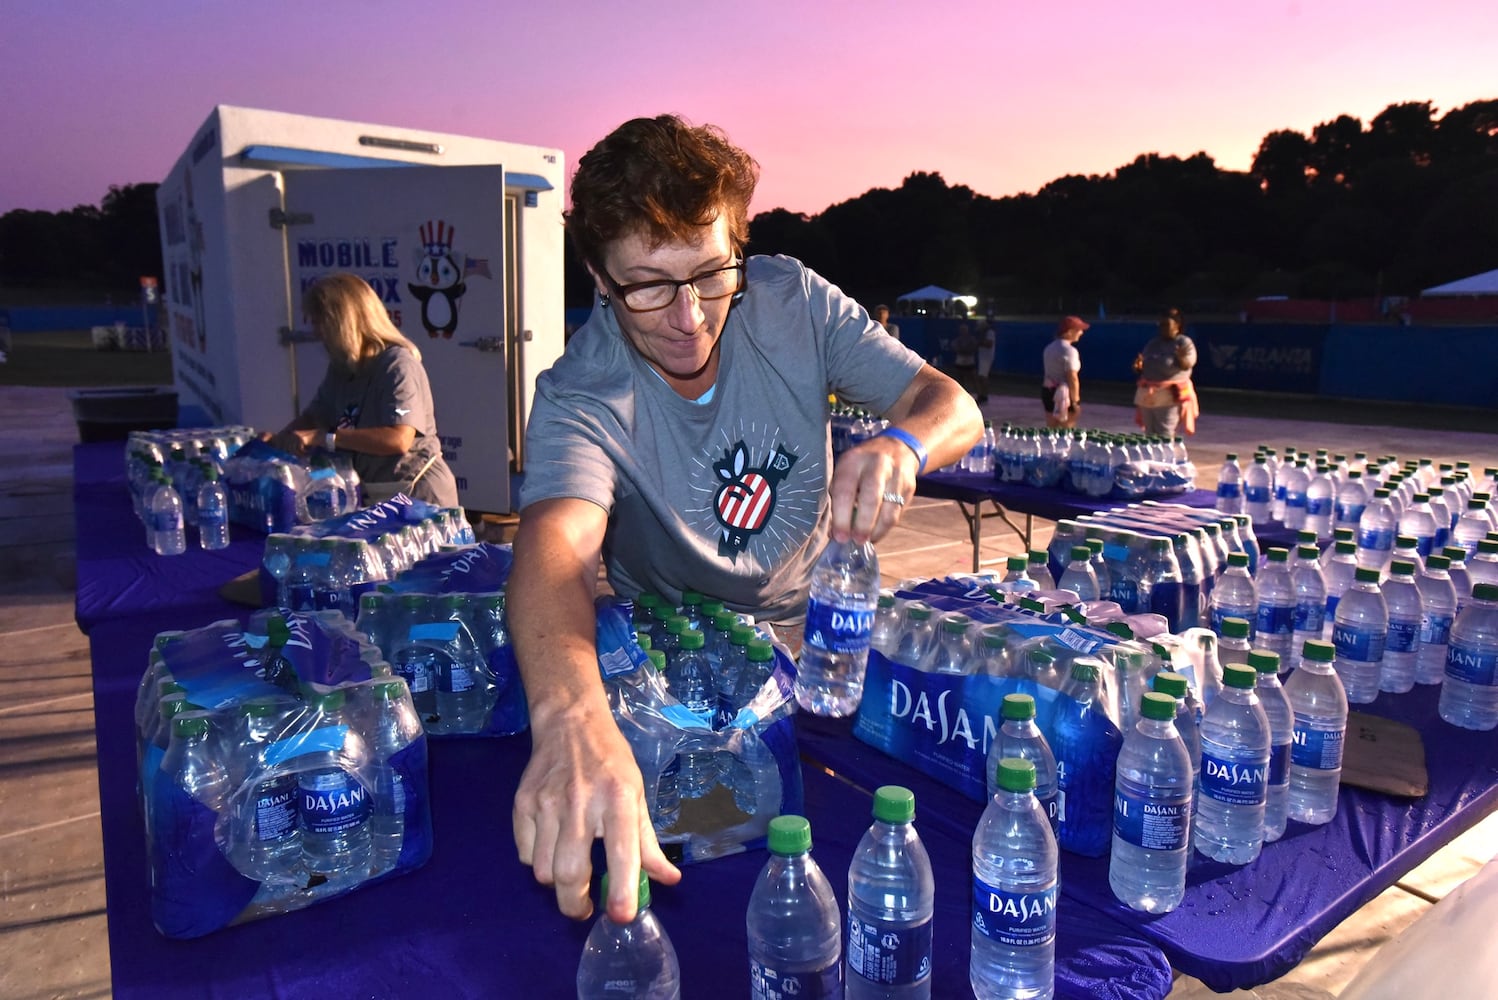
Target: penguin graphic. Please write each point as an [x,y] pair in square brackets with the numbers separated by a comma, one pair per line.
[439,279]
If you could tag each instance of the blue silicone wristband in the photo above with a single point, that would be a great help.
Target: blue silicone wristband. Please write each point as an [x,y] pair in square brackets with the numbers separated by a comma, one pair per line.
[909,440]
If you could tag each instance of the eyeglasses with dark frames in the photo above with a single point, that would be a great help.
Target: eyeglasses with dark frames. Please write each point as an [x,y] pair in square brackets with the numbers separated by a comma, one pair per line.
[649,296]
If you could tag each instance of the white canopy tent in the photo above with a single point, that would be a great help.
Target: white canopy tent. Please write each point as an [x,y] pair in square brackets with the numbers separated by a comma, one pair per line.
[1477,284]
[934,298]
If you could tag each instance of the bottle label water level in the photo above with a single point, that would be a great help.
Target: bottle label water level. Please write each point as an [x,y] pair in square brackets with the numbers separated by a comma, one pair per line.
[838,630]
[1435,630]
[1229,781]
[1317,749]
[1310,616]
[766,983]
[166,520]
[1364,645]
[1015,919]
[1256,494]
[1275,619]
[332,802]
[275,810]
[1471,665]
[1376,539]
[1151,824]
[1279,764]
[889,956]
[1402,636]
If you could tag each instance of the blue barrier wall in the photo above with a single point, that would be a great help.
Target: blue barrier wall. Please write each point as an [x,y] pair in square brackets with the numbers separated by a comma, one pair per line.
[32,319]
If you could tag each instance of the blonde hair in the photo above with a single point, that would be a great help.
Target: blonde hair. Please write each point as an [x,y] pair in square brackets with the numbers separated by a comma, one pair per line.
[351,320]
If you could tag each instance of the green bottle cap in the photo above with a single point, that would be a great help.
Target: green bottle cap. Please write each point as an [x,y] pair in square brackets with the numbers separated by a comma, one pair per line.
[677,624]
[1318,650]
[1237,558]
[790,835]
[1081,552]
[1278,555]
[1017,706]
[692,639]
[1264,661]
[1017,563]
[657,659]
[1015,774]
[1235,628]
[1171,683]
[894,804]
[1238,675]
[1366,574]
[1157,705]
[760,651]
[955,624]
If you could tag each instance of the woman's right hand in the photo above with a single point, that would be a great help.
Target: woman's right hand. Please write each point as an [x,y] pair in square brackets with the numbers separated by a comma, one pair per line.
[1138,363]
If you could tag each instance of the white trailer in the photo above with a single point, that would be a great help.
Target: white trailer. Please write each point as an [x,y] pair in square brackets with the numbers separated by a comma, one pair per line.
[461,237]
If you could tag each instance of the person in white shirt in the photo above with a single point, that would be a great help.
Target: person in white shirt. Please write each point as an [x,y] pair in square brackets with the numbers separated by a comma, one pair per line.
[1061,391]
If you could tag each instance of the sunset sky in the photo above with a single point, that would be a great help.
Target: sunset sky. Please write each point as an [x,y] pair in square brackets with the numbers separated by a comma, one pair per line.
[831,98]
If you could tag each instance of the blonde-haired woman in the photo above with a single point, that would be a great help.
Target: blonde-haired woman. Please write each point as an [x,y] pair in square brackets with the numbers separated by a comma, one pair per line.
[375,401]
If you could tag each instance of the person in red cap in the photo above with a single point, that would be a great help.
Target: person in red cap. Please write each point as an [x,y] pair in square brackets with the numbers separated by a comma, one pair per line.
[1061,392]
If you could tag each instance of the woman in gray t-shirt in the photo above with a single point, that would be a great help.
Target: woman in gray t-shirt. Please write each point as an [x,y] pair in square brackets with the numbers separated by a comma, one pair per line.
[1165,400]
[375,401]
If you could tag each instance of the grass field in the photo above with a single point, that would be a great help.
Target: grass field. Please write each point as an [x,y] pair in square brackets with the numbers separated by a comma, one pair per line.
[68,358]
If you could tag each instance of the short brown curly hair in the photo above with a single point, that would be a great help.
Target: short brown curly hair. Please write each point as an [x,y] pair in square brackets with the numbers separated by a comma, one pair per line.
[662,178]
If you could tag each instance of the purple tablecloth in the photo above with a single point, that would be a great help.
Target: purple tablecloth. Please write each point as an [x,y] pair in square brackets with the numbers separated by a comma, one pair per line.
[472,922]
[1239,927]
[1054,504]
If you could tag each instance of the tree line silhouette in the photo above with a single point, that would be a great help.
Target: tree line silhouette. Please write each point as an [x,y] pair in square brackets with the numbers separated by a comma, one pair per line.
[1349,211]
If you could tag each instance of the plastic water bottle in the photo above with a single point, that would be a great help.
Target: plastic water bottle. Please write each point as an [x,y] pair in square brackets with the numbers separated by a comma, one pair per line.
[1281,737]
[1359,632]
[1437,612]
[164,507]
[324,495]
[1296,481]
[839,621]
[1234,595]
[1319,707]
[333,808]
[1274,619]
[412,657]
[665,808]
[1310,601]
[272,838]
[1016,575]
[794,927]
[1021,738]
[1469,695]
[919,635]
[889,623]
[194,763]
[1230,486]
[1151,811]
[1258,490]
[692,684]
[1235,771]
[1099,564]
[1040,571]
[1079,576]
[1188,726]
[1320,503]
[891,899]
[1013,952]
[213,513]
[1162,589]
[1234,644]
[953,652]
[394,730]
[1472,527]
[1402,600]
[1338,575]
[462,675]
[1483,567]
[1376,530]
[634,960]
[1419,522]
[1352,500]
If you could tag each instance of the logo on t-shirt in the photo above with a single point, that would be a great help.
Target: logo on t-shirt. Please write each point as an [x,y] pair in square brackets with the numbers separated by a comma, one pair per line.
[745,501]
[349,418]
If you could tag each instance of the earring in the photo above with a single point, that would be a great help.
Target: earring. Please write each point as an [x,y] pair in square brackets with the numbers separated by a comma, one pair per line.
[603,300]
